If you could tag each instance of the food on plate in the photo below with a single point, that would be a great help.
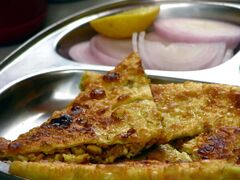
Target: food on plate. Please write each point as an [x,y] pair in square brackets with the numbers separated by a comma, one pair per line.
[222,143]
[160,54]
[173,44]
[192,30]
[114,116]
[190,108]
[123,25]
[122,127]
[115,49]
[167,153]
[81,52]
[3,146]
[188,44]
[213,169]
[101,50]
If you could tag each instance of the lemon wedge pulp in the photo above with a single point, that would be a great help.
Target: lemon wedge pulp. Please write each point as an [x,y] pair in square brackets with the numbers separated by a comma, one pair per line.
[122,25]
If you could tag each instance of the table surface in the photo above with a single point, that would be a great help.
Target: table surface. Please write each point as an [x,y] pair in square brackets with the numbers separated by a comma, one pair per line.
[56,12]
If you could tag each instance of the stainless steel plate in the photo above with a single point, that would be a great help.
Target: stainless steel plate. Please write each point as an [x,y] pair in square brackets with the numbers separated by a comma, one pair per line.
[48,50]
[83,32]
[39,77]
[30,102]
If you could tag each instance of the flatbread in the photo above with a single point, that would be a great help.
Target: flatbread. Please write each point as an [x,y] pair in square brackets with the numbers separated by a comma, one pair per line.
[114,116]
[147,170]
[191,108]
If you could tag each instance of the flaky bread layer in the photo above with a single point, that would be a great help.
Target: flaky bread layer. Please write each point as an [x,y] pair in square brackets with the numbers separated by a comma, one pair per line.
[213,169]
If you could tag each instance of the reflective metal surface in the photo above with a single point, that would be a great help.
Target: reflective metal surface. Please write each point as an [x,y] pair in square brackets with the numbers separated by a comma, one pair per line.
[39,77]
[48,50]
[168,10]
[30,102]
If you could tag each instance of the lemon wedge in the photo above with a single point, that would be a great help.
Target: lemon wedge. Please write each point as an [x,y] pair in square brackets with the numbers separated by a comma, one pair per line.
[122,25]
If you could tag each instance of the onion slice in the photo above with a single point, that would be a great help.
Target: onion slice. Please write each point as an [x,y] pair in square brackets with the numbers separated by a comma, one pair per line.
[135,42]
[81,53]
[228,55]
[198,31]
[110,51]
[179,56]
[102,50]
[101,58]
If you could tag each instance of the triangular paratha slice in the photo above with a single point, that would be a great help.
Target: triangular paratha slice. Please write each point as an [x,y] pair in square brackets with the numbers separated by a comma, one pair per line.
[191,108]
[114,116]
[222,143]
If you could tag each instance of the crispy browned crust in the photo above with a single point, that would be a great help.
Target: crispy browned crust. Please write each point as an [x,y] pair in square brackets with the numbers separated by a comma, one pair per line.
[146,170]
[223,143]
[3,146]
[190,108]
[116,112]
[115,108]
